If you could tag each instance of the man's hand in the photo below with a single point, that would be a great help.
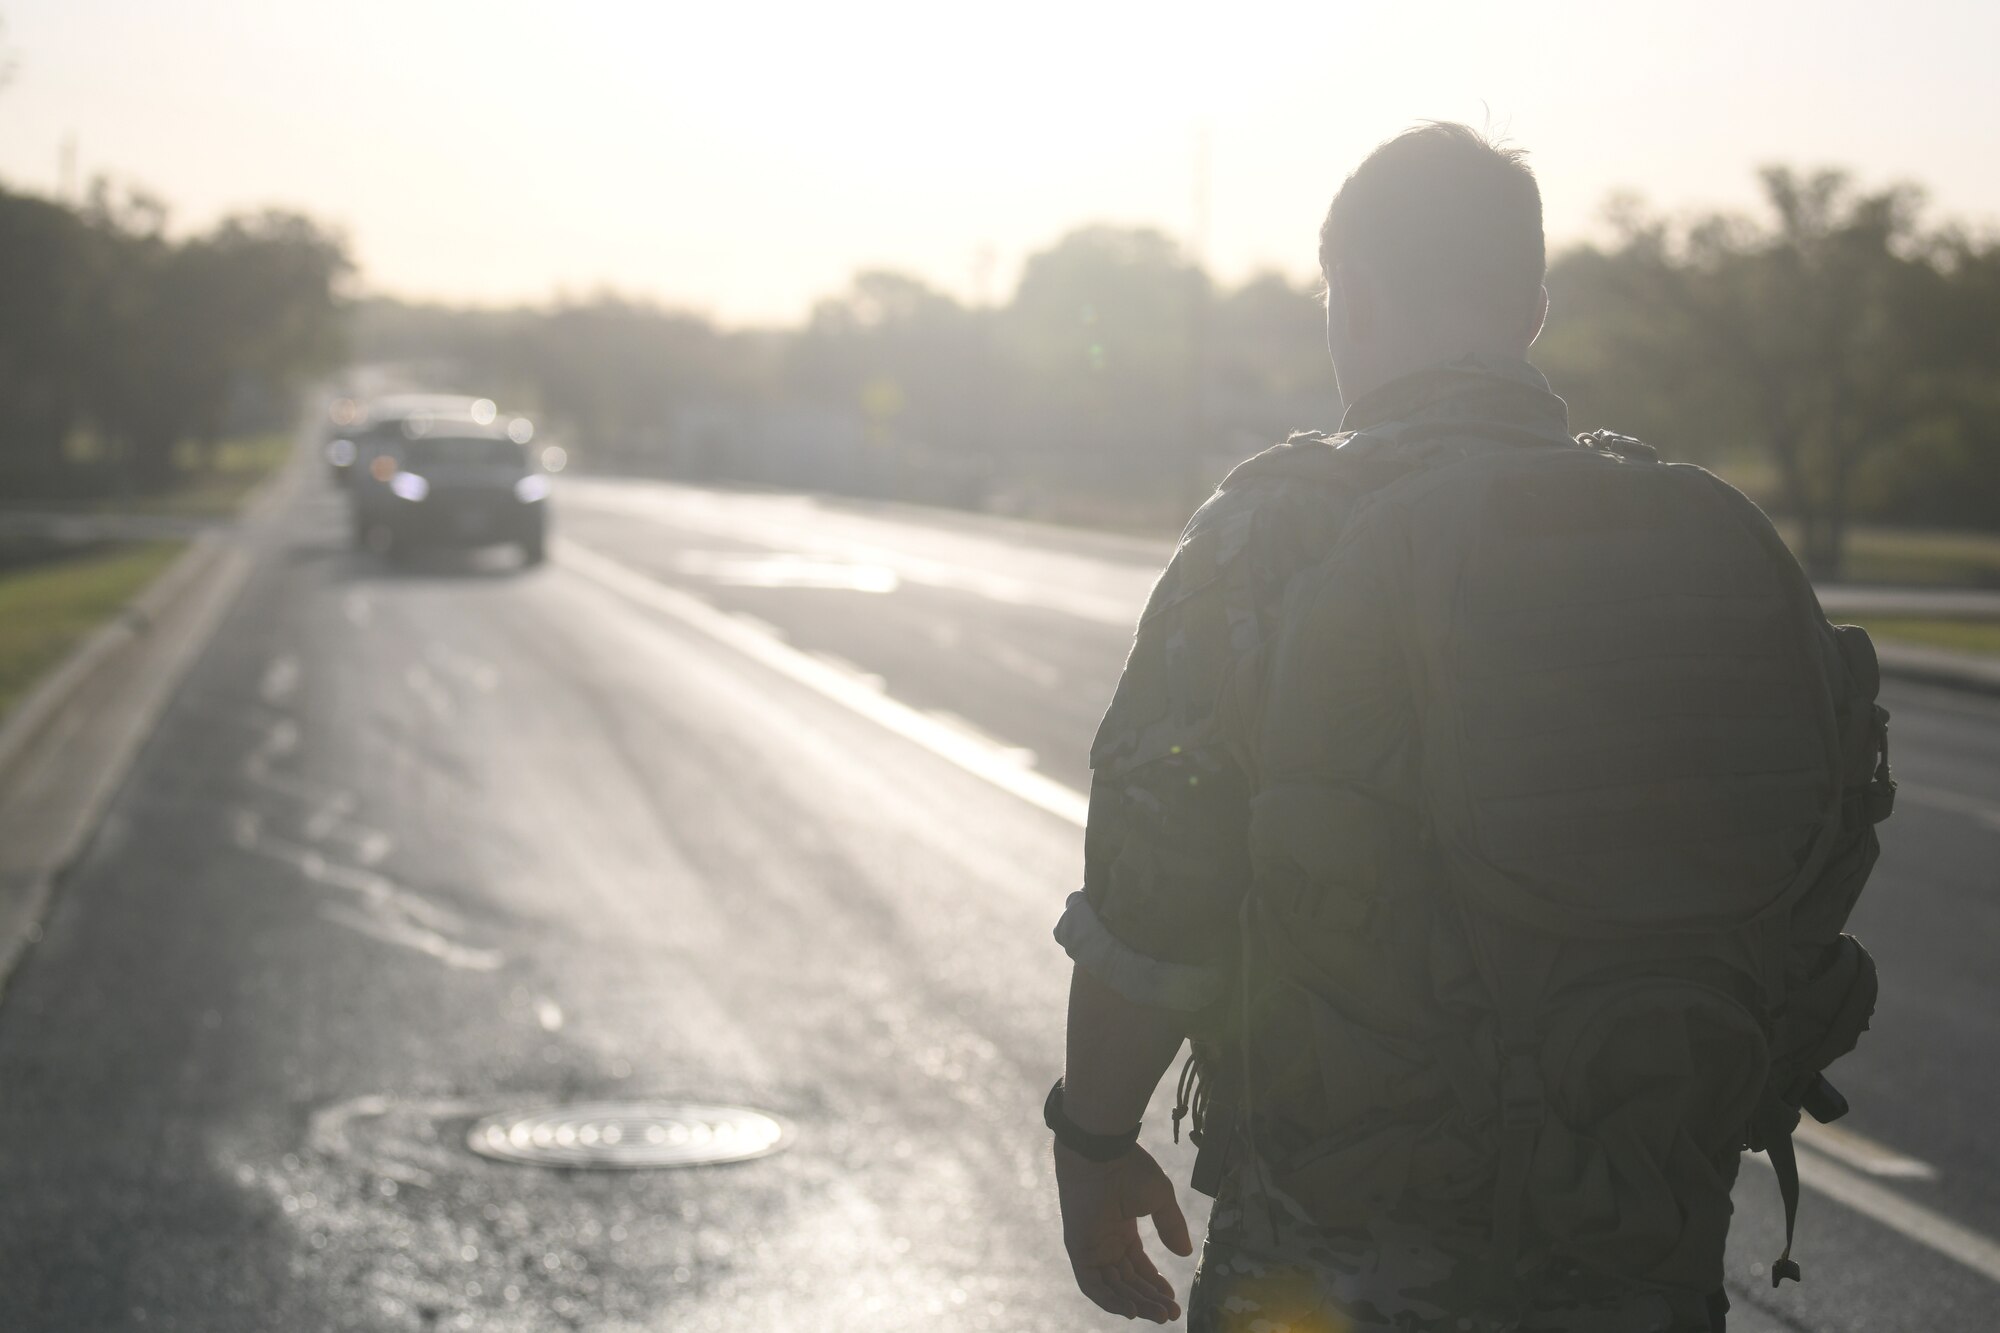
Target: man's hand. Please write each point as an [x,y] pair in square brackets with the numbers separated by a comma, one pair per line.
[1102,1203]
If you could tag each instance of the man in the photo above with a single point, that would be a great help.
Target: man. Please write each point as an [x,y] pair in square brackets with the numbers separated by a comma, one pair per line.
[1433,257]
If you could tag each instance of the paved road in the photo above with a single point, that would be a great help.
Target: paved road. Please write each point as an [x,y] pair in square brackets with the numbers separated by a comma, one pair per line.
[745,798]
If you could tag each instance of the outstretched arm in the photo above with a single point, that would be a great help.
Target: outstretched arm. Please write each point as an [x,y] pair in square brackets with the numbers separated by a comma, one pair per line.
[1117,1053]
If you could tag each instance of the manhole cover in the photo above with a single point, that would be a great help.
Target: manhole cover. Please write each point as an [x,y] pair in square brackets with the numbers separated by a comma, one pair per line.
[629,1136]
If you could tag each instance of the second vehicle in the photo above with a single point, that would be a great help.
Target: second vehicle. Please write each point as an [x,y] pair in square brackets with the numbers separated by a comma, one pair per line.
[456,484]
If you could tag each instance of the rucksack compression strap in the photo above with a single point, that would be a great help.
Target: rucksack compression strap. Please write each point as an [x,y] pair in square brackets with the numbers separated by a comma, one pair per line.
[1786,1163]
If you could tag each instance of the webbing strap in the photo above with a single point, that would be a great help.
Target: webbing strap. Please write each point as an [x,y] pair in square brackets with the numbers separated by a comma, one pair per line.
[1880,801]
[1786,1164]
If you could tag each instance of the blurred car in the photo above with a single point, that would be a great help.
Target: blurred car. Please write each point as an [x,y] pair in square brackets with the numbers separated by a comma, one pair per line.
[359,430]
[451,483]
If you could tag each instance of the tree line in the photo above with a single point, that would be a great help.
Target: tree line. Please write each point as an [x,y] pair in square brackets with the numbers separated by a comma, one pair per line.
[1837,348]
[1114,383]
[125,352]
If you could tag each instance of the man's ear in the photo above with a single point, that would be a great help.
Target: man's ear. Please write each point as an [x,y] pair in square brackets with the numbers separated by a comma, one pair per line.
[1541,317]
[1353,300]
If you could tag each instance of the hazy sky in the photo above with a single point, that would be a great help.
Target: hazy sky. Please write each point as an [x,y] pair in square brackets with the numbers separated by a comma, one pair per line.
[745,158]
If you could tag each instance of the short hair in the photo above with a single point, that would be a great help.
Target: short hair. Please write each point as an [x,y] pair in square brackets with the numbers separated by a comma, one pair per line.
[1446,218]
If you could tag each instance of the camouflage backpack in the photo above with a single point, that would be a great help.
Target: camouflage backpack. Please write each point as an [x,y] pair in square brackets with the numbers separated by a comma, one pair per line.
[1565,791]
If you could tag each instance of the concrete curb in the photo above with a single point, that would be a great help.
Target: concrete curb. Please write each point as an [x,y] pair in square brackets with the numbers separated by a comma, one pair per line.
[1954,669]
[134,620]
[66,748]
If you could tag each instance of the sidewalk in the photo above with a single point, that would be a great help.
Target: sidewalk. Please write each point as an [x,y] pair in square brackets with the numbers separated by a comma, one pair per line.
[1917,603]
[1939,666]
[66,745]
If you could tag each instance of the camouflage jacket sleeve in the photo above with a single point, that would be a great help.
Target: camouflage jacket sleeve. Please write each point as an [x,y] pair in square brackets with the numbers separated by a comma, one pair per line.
[1166,852]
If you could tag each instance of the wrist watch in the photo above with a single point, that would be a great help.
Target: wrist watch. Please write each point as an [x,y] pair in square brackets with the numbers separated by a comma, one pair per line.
[1092,1147]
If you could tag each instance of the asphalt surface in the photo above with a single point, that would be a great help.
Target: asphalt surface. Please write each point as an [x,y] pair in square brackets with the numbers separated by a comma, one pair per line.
[747,799]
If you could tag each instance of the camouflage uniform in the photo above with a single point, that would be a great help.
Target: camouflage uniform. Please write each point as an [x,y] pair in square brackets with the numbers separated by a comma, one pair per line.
[1267,1268]
[1167,863]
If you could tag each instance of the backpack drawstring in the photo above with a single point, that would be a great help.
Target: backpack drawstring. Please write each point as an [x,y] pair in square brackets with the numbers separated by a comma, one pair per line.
[1191,1097]
[1249,1102]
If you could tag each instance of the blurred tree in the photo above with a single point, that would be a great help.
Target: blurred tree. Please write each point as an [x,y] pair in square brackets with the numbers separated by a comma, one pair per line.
[1103,325]
[919,367]
[1837,338]
[47,257]
[1814,337]
[1266,358]
[614,370]
[182,328]
[1950,473]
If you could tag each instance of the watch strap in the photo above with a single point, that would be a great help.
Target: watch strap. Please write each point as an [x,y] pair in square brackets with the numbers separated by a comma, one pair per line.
[1092,1147]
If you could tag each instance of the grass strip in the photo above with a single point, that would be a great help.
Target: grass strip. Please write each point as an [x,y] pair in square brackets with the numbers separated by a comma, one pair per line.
[1916,557]
[214,487]
[47,608]
[1965,636]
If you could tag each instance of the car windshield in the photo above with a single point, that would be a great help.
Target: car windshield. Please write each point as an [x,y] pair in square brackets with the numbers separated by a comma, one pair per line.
[462,451]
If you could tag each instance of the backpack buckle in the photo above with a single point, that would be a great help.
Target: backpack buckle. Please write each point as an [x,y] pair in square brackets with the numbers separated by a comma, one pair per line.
[1522,1099]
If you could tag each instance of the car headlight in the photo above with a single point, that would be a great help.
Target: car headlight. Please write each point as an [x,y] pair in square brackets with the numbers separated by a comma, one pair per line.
[531,488]
[409,486]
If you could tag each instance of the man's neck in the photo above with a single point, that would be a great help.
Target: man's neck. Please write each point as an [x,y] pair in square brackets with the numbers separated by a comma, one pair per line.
[1365,380]
[1481,385]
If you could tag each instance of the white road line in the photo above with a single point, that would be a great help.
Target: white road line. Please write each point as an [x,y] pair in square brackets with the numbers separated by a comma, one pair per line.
[328,807]
[1862,1153]
[738,524]
[979,758]
[852,671]
[986,760]
[1882,1204]
[393,930]
[785,570]
[1019,755]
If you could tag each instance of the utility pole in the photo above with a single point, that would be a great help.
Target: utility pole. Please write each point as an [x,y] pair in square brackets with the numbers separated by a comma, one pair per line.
[1194,410]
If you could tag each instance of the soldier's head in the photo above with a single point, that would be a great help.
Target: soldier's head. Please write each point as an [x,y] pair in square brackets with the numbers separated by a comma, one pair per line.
[1432,250]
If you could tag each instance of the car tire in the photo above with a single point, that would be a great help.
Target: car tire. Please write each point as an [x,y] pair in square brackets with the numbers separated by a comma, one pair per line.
[534,551]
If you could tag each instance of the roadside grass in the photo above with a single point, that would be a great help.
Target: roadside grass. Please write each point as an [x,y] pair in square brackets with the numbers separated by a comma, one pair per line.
[215,488]
[52,597]
[203,486]
[1966,636]
[1906,556]
[1916,557]
[47,608]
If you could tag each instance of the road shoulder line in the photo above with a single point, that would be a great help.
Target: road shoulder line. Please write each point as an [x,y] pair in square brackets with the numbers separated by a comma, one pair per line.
[998,765]
[1927,1227]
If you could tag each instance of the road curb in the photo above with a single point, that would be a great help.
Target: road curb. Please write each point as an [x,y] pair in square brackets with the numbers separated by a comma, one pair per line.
[64,754]
[29,718]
